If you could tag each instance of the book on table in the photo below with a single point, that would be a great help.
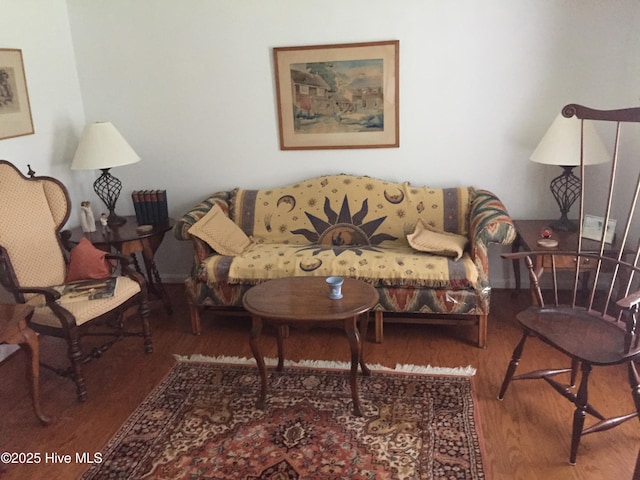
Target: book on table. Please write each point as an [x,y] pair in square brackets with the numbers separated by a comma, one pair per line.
[150,206]
[83,290]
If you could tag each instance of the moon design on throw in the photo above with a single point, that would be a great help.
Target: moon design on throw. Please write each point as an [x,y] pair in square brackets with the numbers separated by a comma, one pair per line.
[394,198]
[310,265]
[287,200]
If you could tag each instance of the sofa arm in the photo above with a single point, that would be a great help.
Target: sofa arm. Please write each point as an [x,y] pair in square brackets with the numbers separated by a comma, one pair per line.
[182,226]
[180,229]
[489,222]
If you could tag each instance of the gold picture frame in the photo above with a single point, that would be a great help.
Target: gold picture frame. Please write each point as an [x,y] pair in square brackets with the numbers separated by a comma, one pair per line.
[338,96]
[15,110]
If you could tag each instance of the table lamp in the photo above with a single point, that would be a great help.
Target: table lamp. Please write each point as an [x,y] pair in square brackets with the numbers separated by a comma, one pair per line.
[102,147]
[561,146]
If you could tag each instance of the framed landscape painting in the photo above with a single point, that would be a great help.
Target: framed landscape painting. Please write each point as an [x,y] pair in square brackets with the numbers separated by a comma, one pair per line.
[338,96]
[15,111]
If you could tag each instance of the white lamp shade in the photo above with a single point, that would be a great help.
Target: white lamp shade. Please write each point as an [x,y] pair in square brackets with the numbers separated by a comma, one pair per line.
[102,146]
[561,144]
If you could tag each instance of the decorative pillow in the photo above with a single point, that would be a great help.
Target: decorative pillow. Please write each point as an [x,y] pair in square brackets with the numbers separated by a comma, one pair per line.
[427,239]
[219,231]
[87,262]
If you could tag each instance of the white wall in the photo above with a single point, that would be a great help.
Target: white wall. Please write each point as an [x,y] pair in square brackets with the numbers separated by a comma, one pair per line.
[190,84]
[41,30]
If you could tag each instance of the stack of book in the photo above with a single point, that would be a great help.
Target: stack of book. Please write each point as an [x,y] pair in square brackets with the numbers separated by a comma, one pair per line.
[150,206]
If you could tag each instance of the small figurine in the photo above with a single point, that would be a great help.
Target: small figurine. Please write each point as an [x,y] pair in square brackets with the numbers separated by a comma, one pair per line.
[545,240]
[104,219]
[87,220]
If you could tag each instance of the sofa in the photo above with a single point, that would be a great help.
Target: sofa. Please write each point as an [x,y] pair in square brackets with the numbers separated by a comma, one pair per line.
[424,249]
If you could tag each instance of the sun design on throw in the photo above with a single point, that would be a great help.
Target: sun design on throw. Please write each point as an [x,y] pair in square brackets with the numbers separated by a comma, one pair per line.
[342,231]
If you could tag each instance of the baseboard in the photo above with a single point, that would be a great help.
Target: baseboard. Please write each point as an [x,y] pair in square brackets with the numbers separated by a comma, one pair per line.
[173,278]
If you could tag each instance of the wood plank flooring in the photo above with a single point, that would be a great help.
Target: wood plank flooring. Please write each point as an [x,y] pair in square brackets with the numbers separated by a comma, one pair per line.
[526,436]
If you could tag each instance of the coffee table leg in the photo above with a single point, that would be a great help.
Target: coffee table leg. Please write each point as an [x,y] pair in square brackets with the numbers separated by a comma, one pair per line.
[364,321]
[282,331]
[256,330]
[354,343]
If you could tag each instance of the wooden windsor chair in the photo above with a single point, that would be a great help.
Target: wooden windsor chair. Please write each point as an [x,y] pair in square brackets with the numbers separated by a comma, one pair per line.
[594,325]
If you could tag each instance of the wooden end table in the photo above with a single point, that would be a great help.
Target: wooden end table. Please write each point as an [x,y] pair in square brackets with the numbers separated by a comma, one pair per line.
[304,302]
[14,331]
[127,240]
[529,231]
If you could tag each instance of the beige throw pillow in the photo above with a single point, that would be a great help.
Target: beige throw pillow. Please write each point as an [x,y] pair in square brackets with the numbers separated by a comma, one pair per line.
[219,231]
[427,239]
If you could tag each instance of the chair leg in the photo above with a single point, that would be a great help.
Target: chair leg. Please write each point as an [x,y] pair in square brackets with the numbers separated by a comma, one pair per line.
[75,356]
[379,325]
[513,364]
[483,321]
[143,310]
[634,381]
[575,366]
[580,412]
[195,319]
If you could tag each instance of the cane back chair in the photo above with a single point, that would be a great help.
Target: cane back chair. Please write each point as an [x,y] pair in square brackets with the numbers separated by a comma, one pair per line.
[592,319]
[33,211]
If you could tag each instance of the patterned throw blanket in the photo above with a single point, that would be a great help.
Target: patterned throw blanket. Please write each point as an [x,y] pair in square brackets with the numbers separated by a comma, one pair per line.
[350,226]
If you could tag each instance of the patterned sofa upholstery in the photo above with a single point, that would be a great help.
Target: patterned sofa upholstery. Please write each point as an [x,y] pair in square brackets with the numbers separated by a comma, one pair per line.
[354,226]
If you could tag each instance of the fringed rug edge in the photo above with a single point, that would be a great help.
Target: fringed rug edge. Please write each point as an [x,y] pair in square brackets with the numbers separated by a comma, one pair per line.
[467,371]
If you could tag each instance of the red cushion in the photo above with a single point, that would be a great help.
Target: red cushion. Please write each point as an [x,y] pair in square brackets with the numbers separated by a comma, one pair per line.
[87,262]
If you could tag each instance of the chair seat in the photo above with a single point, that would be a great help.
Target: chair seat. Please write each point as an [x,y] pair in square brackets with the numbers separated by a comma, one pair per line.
[578,333]
[86,310]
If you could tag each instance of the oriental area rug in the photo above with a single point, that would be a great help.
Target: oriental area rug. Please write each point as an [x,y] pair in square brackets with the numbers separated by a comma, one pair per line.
[201,422]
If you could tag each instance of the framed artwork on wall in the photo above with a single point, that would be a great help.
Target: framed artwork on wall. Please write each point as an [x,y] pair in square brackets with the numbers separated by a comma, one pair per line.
[15,111]
[338,96]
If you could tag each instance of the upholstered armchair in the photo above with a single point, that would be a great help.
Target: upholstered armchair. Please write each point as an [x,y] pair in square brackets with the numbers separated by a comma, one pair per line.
[32,262]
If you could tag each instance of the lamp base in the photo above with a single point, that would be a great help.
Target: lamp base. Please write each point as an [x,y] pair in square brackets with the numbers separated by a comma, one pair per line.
[564,225]
[108,187]
[566,190]
[115,220]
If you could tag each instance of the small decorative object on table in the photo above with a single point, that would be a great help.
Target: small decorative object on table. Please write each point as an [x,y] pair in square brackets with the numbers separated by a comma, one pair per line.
[546,241]
[87,220]
[104,221]
[593,226]
[140,229]
[335,287]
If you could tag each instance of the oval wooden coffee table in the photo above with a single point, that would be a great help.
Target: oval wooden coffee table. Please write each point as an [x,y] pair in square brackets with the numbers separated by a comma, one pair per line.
[304,301]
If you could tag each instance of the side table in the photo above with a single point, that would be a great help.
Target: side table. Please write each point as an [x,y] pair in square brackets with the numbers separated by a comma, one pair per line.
[14,330]
[529,232]
[303,302]
[127,240]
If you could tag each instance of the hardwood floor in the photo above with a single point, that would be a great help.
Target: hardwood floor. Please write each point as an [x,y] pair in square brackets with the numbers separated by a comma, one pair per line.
[526,436]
